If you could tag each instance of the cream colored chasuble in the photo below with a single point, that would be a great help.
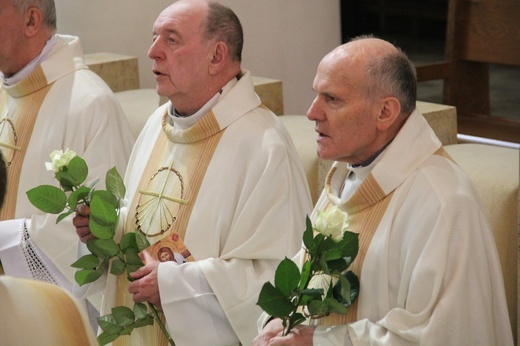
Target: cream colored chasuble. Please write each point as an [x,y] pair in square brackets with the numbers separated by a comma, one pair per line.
[167,193]
[365,209]
[16,129]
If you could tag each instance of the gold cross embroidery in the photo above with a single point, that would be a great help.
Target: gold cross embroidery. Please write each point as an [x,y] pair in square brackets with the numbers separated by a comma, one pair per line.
[13,147]
[155,208]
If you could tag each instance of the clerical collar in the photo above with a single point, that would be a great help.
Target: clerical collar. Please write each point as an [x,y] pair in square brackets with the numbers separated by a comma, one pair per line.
[184,122]
[29,68]
[371,158]
[357,175]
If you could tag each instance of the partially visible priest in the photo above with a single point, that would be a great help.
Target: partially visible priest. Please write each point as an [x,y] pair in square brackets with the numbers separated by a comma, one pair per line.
[428,267]
[216,169]
[49,100]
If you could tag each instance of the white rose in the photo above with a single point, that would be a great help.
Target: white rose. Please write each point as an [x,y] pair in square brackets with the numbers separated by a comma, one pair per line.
[332,223]
[59,159]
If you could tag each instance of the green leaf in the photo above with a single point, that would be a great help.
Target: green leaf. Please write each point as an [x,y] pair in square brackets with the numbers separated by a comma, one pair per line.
[108,197]
[338,266]
[118,267]
[78,195]
[66,181]
[287,277]
[140,311]
[332,254]
[308,235]
[274,302]
[142,241]
[106,338]
[108,324]
[123,316]
[103,209]
[127,330]
[77,169]
[354,284]
[350,244]
[86,262]
[94,249]
[107,247]
[114,183]
[64,215]
[333,306]
[306,274]
[147,321]
[86,276]
[48,198]
[318,307]
[132,257]
[128,241]
[101,231]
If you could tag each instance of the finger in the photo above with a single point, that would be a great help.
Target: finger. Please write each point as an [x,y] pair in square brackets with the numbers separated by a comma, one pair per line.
[139,273]
[80,221]
[83,210]
[147,258]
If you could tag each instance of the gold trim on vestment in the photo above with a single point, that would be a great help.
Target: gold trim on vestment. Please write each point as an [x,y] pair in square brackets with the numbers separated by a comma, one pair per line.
[365,210]
[23,117]
[200,143]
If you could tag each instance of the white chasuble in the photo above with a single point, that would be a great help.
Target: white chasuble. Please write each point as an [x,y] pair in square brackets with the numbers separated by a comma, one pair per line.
[60,104]
[165,198]
[245,215]
[430,273]
[16,128]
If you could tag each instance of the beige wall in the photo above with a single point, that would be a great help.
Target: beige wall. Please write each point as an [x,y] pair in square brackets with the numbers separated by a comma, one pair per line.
[284,39]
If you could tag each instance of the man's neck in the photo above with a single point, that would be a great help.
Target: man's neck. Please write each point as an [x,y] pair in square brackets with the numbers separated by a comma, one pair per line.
[32,64]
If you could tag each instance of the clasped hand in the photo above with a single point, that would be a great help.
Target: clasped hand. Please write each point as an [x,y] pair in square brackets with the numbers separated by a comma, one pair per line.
[145,287]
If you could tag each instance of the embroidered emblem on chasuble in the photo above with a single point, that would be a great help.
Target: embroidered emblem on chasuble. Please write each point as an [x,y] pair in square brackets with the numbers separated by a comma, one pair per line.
[16,127]
[165,198]
[365,210]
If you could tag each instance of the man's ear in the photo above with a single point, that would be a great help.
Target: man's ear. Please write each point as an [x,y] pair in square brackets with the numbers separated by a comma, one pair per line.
[219,57]
[33,21]
[390,108]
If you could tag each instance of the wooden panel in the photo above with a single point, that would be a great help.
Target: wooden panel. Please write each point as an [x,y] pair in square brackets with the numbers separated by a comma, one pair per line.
[433,71]
[493,127]
[493,31]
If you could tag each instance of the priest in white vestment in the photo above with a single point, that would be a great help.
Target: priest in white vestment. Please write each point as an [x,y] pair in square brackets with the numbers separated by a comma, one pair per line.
[217,168]
[49,100]
[428,266]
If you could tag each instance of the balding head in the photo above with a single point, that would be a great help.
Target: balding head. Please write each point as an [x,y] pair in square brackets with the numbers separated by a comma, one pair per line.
[382,69]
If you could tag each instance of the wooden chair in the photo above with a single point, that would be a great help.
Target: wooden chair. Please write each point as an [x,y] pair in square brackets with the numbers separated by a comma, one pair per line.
[479,33]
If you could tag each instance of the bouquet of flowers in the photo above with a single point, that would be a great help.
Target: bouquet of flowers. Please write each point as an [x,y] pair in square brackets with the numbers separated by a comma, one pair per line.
[71,172]
[324,285]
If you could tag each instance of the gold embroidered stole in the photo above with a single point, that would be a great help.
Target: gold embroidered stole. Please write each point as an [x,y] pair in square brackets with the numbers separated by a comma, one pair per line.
[365,210]
[188,158]
[19,124]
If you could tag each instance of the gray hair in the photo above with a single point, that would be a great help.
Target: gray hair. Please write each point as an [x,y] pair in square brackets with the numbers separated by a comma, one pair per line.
[47,7]
[223,24]
[392,75]
[395,74]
